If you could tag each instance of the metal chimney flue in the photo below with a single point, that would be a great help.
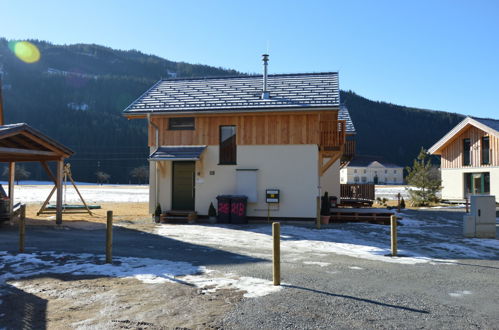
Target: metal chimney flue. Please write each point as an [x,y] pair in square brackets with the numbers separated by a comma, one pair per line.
[265,92]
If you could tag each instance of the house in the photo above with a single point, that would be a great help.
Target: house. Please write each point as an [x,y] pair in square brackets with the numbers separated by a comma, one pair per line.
[244,135]
[469,159]
[370,169]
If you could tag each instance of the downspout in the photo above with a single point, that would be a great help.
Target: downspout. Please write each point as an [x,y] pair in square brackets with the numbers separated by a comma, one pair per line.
[156,142]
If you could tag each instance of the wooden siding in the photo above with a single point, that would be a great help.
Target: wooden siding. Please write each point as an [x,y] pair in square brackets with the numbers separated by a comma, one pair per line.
[252,129]
[452,155]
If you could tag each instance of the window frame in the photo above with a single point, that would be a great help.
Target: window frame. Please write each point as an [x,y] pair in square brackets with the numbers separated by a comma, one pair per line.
[223,160]
[466,152]
[171,126]
[485,151]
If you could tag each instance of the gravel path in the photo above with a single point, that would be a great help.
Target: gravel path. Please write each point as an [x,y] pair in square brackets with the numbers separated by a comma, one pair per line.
[321,290]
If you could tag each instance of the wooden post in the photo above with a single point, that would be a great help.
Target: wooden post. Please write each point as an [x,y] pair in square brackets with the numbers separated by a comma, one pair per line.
[398,202]
[60,170]
[109,238]
[22,227]
[318,211]
[276,253]
[12,178]
[467,205]
[393,231]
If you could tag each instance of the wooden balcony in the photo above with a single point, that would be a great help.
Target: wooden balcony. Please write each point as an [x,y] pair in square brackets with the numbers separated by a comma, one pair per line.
[349,150]
[332,135]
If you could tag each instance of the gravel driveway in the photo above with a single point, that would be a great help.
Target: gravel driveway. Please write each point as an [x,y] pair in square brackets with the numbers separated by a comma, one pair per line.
[337,277]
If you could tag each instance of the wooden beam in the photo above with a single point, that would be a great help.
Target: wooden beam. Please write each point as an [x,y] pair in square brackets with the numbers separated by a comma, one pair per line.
[12,177]
[49,172]
[20,141]
[24,152]
[45,144]
[329,163]
[60,170]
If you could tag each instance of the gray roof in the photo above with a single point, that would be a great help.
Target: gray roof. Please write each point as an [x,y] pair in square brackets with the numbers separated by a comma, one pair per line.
[365,161]
[242,93]
[343,114]
[11,129]
[492,123]
[177,153]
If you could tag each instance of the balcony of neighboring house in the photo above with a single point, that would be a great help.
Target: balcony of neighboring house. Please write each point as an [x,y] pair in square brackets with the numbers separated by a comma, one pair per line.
[332,136]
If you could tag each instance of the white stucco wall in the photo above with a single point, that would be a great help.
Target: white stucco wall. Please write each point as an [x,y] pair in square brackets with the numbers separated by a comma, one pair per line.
[330,181]
[290,168]
[348,174]
[453,181]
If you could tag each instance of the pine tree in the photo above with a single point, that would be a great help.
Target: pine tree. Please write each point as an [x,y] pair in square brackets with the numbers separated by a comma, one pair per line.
[424,177]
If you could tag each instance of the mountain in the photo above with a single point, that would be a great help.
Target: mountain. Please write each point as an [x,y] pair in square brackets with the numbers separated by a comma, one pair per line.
[76,95]
[395,133]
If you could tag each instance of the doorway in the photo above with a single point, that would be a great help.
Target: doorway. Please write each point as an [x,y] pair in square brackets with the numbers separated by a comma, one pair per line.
[183,175]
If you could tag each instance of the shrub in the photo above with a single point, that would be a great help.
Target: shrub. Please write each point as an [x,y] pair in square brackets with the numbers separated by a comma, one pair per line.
[212,212]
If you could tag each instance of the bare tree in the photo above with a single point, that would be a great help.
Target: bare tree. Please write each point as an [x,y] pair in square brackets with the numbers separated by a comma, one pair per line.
[21,173]
[102,177]
[140,173]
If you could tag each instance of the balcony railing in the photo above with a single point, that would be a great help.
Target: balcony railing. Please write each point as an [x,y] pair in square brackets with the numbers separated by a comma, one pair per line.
[332,134]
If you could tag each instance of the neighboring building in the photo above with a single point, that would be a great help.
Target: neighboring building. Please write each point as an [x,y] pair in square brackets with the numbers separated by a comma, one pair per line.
[469,159]
[243,135]
[369,169]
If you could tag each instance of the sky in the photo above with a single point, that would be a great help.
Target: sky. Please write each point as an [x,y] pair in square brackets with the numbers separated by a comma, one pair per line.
[433,54]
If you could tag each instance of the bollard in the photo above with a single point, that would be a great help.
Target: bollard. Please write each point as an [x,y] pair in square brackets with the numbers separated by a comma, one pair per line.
[22,228]
[318,210]
[393,223]
[109,238]
[398,202]
[276,253]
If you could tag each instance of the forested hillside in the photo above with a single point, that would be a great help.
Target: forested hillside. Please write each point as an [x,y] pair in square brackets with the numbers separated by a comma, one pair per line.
[76,94]
[395,132]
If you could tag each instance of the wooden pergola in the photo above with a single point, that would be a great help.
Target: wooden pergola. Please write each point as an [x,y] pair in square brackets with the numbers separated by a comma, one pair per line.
[22,143]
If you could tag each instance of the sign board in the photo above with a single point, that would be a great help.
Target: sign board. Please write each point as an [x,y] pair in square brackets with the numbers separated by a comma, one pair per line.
[272,195]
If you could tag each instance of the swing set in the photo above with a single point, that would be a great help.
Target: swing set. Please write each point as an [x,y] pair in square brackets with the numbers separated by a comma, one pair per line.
[67,208]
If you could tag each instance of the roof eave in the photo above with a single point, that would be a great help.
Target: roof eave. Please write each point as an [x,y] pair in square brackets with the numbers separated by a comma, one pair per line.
[142,114]
[436,149]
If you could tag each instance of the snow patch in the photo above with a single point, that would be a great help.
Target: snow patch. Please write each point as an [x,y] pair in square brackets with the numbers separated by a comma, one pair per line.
[143,269]
[318,263]
[459,294]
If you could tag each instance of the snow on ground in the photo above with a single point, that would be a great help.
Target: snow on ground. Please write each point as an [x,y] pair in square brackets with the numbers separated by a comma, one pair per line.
[144,269]
[91,194]
[435,239]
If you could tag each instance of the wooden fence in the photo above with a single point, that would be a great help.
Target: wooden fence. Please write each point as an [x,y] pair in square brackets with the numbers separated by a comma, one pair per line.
[357,191]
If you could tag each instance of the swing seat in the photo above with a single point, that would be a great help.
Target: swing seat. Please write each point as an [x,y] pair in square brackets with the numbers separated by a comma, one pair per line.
[73,207]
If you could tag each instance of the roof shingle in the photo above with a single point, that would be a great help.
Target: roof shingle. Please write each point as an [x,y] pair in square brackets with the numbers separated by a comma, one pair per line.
[242,93]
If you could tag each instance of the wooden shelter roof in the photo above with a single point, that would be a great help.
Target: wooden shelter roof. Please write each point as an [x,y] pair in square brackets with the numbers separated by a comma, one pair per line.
[22,143]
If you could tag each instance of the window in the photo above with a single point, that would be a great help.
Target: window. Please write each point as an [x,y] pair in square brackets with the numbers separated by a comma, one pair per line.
[485,150]
[356,179]
[365,171]
[394,171]
[364,179]
[394,180]
[355,171]
[477,183]
[386,171]
[386,180]
[228,145]
[181,123]
[466,152]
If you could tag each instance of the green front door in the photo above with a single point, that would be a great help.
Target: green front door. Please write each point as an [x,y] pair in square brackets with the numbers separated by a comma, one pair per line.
[183,186]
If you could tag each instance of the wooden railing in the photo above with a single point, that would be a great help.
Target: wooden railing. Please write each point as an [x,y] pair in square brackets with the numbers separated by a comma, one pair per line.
[349,150]
[332,134]
[357,191]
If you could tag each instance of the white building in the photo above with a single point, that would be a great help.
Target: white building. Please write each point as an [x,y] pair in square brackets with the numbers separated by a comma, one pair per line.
[244,135]
[469,159]
[367,169]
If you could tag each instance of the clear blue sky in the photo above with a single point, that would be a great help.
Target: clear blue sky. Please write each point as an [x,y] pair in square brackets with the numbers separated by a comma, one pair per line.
[436,54]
